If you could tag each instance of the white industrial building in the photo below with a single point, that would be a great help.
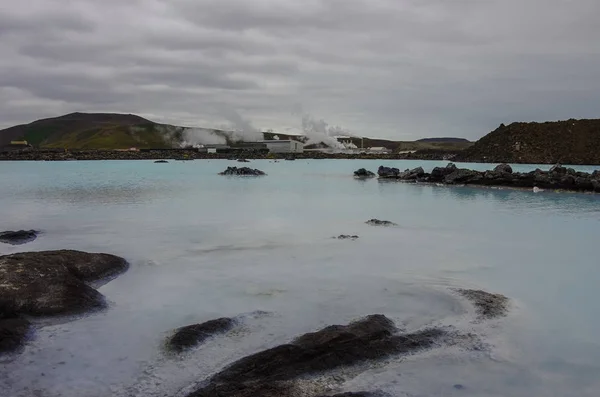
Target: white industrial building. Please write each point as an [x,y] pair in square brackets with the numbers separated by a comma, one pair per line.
[281,146]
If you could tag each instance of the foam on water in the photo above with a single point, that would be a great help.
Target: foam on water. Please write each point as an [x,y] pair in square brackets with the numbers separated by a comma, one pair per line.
[202,246]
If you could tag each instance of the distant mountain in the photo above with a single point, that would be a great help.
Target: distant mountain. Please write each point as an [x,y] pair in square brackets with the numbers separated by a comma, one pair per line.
[445,140]
[444,144]
[121,131]
[567,142]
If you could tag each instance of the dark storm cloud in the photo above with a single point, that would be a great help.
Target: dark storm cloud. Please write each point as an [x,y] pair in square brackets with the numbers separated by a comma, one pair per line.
[387,68]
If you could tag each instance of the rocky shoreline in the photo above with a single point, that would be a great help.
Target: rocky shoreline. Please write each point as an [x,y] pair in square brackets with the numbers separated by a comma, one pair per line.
[192,154]
[42,284]
[557,178]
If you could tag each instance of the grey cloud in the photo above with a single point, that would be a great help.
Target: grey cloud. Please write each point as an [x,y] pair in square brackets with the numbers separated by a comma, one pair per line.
[385,68]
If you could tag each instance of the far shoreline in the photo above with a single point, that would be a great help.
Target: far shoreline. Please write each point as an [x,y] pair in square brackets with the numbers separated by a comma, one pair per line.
[193,154]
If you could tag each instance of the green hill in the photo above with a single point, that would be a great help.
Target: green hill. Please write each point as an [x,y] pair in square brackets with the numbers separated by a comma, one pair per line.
[94,131]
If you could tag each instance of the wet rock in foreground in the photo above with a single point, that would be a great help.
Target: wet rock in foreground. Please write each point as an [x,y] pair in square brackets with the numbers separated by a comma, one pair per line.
[364,173]
[378,222]
[192,335]
[273,372]
[13,333]
[54,282]
[242,171]
[488,305]
[18,237]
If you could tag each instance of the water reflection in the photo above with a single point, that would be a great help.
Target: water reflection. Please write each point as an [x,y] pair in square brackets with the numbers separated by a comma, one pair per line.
[101,194]
[577,204]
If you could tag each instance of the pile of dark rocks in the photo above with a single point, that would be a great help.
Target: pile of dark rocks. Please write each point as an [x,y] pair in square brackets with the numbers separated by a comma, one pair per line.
[242,171]
[557,178]
[364,173]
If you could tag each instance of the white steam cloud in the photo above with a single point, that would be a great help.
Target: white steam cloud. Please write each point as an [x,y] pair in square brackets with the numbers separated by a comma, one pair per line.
[238,130]
[319,131]
[242,129]
[201,136]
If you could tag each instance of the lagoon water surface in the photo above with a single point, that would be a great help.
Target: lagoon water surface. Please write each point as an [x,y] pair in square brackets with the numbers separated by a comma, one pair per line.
[203,246]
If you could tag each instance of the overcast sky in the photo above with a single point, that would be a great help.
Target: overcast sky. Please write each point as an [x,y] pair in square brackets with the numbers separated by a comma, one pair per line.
[383,68]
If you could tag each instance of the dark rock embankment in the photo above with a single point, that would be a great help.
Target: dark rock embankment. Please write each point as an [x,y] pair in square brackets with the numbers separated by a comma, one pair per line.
[191,154]
[242,171]
[49,283]
[18,237]
[192,335]
[274,372]
[557,178]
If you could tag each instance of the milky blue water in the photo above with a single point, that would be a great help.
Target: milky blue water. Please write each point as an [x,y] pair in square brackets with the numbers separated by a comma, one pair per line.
[203,246]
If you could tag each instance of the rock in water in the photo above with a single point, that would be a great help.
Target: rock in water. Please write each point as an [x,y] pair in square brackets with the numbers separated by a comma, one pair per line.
[504,168]
[18,237]
[387,172]
[364,173]
[558,169]
[488,305]
[461,175]
[161,161]
[272,372]
[192,335]
[243,161]
[439,173]
[242,171]
[13,332]
[346,237]
[377,222]
[54,282]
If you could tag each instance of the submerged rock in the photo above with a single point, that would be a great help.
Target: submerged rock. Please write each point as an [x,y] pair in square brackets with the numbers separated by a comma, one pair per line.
[242,171]
[273,372]
[54,282]
[18,237]
[378,222]
[364,173]
[346,237]
[161,161]
[488,305]
[192,335]
[13,333]
[243,161]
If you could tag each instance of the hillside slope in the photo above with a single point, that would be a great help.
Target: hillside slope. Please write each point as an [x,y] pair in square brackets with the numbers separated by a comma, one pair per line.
[94,131]
[568,142]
